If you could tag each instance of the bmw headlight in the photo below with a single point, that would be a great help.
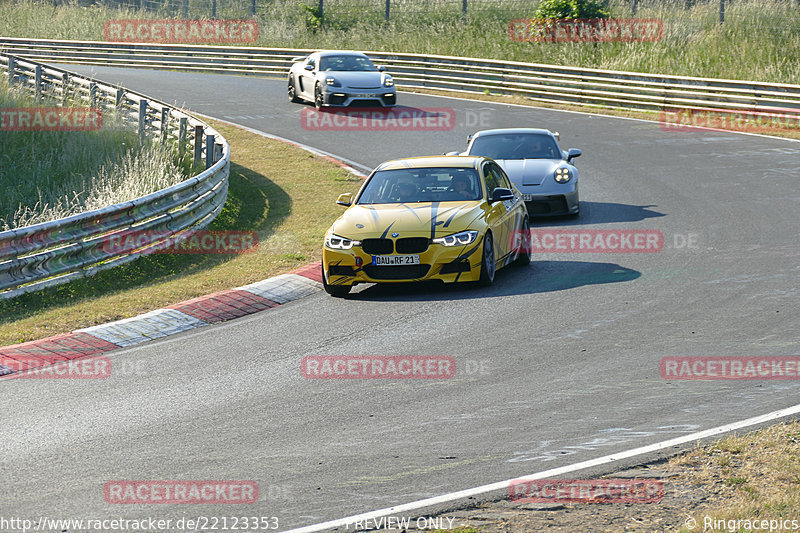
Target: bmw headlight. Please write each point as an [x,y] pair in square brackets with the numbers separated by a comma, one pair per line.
[458,239]
[563,174]
[339,243]
[388,82]
[333,82]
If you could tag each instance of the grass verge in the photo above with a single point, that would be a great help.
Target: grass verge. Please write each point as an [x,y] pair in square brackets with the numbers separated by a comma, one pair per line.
[47,175]
[759,40]
[283,193]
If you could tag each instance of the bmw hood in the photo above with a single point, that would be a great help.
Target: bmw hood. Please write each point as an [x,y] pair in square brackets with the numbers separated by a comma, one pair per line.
[529,171]
[429,219]
[358,80]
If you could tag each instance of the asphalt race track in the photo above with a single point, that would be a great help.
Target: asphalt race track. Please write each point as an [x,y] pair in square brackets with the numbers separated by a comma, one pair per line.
[556,363]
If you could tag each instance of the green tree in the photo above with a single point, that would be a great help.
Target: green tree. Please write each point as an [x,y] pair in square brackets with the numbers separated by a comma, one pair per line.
[571,9]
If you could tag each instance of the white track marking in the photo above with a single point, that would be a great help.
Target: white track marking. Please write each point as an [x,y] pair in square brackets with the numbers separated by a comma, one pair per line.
[552,473]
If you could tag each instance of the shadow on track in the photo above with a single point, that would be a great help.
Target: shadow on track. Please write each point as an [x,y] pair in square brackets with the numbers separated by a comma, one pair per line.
[539,277]
[600,213]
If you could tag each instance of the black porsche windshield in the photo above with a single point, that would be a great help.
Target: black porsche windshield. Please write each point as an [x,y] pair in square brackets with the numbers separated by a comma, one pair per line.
[410,185]
[515,146]
[346,63]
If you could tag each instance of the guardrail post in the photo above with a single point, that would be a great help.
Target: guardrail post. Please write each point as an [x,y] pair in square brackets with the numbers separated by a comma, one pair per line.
[64,89]
[118,99]
[209,151]
[386,14]
[320,8]
[37,77]
[464,11]
[721,11]
[164,124]
[213,9]
[217,152]
[142,117]
[11,67]
[253,8]
[93,94]
[182,137]
[185,9]
[198,144]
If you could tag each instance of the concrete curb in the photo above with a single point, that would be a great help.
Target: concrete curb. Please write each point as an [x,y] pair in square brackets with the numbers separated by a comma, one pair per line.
[182,316]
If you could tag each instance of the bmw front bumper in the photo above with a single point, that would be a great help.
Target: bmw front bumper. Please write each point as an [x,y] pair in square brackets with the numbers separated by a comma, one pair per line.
[449,264]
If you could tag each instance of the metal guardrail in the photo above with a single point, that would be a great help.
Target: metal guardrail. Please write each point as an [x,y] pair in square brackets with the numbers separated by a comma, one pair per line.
[539,82]
[50,253]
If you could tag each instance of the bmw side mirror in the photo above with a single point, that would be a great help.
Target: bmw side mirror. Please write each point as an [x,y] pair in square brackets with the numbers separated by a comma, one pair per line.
[381,68]
[309,67]
[345,199]
[298,59]
[572,153]
[501,194]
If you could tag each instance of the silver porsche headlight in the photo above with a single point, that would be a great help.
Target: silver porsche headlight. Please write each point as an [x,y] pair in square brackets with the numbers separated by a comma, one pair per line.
[563,174]
[333,82]
[457,239]
[388,82]
[339,243]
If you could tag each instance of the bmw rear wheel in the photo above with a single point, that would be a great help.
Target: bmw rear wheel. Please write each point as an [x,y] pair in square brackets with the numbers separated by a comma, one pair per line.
[487,261]
[524,250]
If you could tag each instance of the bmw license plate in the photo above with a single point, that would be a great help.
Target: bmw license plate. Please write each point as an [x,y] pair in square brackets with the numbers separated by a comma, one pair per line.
[394,260]
[527,197]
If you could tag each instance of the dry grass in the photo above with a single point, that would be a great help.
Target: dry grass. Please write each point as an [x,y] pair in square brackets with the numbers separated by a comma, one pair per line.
[752,476]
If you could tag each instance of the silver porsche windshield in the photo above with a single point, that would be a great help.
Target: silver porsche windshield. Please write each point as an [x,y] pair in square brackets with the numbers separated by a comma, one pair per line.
[346,63]
[515,146]
[410,185]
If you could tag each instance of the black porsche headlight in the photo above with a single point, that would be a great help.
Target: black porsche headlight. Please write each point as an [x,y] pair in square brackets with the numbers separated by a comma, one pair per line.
[458,239]
[563,175]
[339,243]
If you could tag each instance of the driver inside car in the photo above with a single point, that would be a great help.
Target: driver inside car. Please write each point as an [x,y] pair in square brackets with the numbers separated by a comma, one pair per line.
[461,187]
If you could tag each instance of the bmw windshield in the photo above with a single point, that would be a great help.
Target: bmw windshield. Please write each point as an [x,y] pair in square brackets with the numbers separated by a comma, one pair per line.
[409,185]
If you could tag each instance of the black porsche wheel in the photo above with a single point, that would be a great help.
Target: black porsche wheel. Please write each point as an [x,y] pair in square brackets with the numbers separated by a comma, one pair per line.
[487,262]
[292,90]
[318,98]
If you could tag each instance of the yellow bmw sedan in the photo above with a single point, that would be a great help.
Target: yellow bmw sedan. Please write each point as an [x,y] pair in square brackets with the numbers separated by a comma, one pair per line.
[446,218]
